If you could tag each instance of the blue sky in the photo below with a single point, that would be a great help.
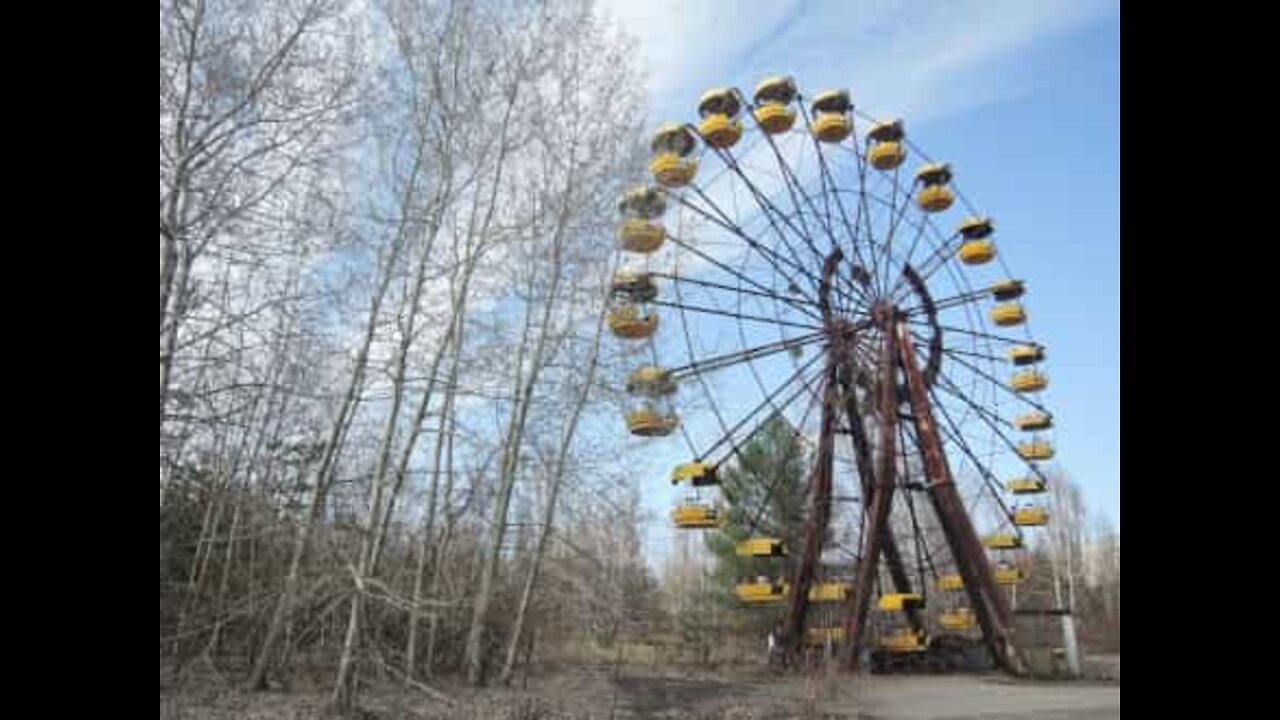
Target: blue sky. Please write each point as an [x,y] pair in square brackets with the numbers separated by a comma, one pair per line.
[1023,99]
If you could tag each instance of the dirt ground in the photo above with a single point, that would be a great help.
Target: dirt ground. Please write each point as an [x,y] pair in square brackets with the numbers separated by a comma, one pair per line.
[598,692]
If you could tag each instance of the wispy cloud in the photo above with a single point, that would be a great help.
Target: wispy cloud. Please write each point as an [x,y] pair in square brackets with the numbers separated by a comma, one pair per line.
[686,47]
[921,60]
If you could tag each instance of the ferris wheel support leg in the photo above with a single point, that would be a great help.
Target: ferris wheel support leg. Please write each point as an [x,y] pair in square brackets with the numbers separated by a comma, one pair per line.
[989,604]
[881,503]
[816,526]
[815,529]
[866,479]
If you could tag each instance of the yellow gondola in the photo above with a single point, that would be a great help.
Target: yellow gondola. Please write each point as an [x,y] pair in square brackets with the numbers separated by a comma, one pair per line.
[698,474]
[642,201]
[762,591]
[1002,541]
[1006,290]
[887,150]
[903,640]
[1035,450]
[651,381]
[638,235]
[719,108]
[646,421]
[831,121]
[695,516]
[977,252]
[773,97]
[1033,421]
[761,547]
[628,323]
[1008,314]
[633,285]
[1025,486]
[671,163]
[829,592]
[958,619]
[1026,354]
[934,195]
[1029,381]
[1030,516]
[1006,574]
[973,228]
[899,602]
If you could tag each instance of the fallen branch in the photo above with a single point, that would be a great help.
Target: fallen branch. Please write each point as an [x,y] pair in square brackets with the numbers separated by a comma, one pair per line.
[424,689]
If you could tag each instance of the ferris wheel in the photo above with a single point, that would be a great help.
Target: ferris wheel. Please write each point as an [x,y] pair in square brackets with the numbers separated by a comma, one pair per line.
[795,258]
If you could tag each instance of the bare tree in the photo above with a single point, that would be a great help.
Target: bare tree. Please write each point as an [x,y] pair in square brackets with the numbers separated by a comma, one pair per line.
[380,284]
[324,473]
[251,96]
[559,466]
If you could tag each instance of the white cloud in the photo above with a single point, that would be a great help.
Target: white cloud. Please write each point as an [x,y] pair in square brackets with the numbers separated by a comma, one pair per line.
[686,46]
[920,60]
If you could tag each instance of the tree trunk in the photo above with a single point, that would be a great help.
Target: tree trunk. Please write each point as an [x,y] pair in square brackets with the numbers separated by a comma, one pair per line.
[371,544]
[325,471]
[552,495]
[455,342]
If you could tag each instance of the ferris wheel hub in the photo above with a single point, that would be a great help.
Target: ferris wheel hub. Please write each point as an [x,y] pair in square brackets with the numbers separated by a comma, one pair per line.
[884,313]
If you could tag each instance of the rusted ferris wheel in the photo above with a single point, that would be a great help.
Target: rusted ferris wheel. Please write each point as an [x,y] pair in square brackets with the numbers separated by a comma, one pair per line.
[785,262]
